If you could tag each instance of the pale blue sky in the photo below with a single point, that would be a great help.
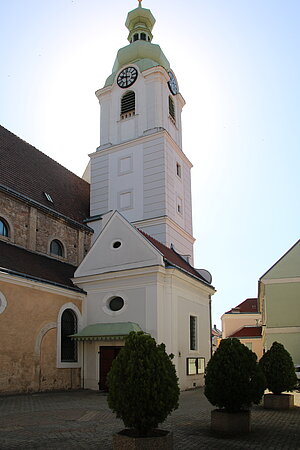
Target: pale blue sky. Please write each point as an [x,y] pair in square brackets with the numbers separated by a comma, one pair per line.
[237,63]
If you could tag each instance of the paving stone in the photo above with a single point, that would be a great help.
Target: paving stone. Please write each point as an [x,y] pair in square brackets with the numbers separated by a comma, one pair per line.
[82,420]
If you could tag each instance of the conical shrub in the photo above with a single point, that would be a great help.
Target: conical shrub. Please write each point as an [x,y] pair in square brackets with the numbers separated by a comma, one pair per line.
[279,370]
[143,386]
[233,379]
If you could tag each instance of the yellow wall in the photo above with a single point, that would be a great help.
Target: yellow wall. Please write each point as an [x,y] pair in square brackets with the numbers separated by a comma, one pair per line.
[25,365]
[290,341]
[234,321]
[282,303]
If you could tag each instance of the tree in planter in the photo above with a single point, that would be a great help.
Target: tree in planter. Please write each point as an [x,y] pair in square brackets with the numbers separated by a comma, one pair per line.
[143,386]
[233,379]
[279,370]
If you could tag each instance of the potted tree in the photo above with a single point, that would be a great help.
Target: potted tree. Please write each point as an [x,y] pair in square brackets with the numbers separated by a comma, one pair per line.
[233,381]
[142,391]
[279,370]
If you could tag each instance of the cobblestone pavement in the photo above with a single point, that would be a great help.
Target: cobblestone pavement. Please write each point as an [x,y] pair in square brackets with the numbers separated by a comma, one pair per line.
[82,420]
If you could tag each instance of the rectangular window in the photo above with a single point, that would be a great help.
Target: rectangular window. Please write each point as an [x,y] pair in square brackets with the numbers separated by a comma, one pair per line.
[179,205]
[195,366]
[193,333]
[178,169]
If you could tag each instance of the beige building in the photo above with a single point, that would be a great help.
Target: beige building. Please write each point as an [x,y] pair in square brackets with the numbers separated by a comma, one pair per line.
[279,297]
[244,323]
[42,240]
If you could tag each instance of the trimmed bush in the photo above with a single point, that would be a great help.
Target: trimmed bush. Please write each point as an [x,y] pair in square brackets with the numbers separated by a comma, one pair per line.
[143,386]
[279,370]
[233,379]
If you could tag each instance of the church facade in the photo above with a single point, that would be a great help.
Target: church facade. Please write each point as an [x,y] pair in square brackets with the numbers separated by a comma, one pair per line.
[84,262]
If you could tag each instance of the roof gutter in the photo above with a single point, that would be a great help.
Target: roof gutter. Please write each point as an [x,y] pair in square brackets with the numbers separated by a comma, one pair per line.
[41,280]
[171,264]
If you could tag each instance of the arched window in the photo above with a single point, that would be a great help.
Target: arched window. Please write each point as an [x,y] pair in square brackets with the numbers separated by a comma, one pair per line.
[135,37]
[171,108]
[56,248]
[4,230]
[68,327]
[143,37]
[128,105]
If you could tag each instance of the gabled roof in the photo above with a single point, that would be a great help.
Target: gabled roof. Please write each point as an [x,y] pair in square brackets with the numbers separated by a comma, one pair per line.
[250,305]
[291,269]
[173,258]
[247,332]
[30,173]
[18,261]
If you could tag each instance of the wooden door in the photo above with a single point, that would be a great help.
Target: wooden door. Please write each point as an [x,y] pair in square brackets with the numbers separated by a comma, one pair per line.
[106,357]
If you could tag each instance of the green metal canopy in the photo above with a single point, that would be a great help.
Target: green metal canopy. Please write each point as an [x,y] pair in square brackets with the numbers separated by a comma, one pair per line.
[106,331]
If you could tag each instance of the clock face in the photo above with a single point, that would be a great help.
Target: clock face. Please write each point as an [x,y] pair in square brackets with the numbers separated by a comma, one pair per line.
[172,84]
[127,77]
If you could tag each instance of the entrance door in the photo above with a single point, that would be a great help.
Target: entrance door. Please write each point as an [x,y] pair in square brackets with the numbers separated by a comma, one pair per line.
[106,357]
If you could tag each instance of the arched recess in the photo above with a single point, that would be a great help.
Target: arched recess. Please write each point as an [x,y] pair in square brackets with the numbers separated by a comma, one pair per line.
[59,362]
[39,338]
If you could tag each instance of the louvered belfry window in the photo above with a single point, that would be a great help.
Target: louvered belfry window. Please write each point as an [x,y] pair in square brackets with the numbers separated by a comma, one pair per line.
[128,105]
[171,108]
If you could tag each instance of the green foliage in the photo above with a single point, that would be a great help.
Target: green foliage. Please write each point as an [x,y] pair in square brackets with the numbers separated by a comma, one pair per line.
[233,379]
[143,386]
[279,370]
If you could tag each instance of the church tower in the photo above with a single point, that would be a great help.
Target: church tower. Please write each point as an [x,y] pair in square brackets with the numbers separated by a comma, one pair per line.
[139,168]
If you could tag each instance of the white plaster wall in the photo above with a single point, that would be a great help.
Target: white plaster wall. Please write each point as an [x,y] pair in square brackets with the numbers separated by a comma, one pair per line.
[130,181]
[161,302]
[152,108]
[177,300]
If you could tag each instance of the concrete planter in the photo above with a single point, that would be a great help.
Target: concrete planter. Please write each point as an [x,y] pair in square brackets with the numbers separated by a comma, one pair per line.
[223,422]
[161,440]
[281,401]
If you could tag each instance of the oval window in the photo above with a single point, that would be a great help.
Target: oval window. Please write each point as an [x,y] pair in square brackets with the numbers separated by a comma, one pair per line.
[117,244]
[116,303]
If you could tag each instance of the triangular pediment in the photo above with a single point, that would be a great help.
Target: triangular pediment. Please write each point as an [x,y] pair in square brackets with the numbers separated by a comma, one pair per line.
[119,246]
[288,266]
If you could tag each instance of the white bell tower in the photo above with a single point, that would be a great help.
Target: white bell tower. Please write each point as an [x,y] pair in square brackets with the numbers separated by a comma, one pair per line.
[139,168]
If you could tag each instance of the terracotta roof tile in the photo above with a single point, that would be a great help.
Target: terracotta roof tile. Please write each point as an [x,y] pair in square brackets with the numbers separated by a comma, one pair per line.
[247,332]
[17,260]
[174,258]
[29,172]
[250,305]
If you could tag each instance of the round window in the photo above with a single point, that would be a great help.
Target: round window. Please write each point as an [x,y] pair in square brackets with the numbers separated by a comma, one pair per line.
[116,303]
[117,244]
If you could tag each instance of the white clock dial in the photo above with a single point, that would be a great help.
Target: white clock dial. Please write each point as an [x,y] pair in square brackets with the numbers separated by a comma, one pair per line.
[172,83]
[127,77]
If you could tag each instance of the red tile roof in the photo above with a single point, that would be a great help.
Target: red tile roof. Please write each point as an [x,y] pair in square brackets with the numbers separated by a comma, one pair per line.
[17,260]
[216,332]
[250,305]
[247,332]
[174,258]
[29,172]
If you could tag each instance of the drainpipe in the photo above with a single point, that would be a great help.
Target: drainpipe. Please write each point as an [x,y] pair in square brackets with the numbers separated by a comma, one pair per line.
[210,326]
[83,364]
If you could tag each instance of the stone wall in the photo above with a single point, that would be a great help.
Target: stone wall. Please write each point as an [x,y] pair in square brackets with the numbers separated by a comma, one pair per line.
[33,229]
